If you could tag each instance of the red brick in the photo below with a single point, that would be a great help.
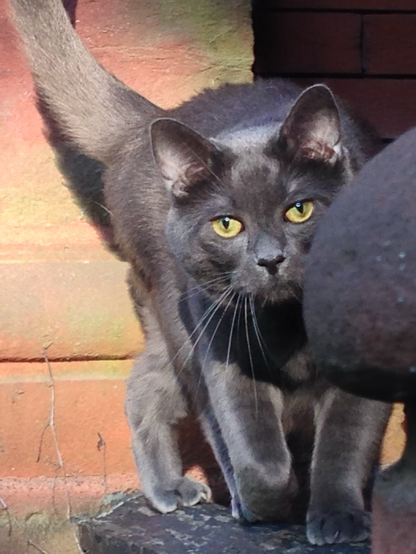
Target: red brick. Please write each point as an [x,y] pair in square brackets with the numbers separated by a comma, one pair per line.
[307,43]
[87,401]
[355,5]
[389,45]
[80,309]
[388,103]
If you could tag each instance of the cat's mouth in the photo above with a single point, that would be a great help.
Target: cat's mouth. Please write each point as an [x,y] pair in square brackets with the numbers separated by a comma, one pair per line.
[269,289]
[257,284]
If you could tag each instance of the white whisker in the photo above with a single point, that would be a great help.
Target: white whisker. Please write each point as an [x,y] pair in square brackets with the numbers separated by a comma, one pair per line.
[260,339]
[250,357]
[206,314]
[193,291]
[232,329]
[216,306]
[210,344]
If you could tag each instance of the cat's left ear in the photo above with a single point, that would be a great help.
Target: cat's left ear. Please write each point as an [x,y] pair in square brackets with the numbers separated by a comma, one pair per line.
[184,157]
[312,129]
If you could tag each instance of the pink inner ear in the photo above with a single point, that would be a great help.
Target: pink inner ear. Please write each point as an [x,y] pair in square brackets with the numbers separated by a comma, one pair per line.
[194,171]
[189,175]
[312,128]
[316,150]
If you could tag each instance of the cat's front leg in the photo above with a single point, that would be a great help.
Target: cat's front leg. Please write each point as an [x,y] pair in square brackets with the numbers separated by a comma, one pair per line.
[249,415]
[349,431]
[214,436]
[154,406]
[155,403]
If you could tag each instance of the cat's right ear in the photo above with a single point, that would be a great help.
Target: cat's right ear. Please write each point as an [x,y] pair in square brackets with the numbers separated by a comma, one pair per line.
[312,129]
[184,157]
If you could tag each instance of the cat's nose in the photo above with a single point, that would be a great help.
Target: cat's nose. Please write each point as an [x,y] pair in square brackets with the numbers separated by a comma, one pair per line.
[271,261]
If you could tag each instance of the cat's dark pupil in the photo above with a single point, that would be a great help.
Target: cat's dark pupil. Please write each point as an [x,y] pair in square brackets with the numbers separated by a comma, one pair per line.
[299,207]
[226,222]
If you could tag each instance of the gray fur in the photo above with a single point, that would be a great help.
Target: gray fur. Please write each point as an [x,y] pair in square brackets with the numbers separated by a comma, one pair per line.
[80,95]
[253,150]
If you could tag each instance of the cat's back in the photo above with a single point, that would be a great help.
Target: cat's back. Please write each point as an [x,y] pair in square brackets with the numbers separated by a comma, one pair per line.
[235,108]
[215,111]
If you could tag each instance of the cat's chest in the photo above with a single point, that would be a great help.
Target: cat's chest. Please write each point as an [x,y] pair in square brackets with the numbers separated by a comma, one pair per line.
[266,343]
[275,353]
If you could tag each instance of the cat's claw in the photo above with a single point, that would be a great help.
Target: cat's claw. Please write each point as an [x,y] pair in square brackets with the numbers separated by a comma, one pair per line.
[185,492]
[338,526]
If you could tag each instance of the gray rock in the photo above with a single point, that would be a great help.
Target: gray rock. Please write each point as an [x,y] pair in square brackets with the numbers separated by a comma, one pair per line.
[134,528]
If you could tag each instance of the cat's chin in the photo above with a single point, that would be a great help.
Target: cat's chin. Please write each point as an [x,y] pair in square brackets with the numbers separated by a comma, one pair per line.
[272,291]
[284,292]
[281,296]
[267,289]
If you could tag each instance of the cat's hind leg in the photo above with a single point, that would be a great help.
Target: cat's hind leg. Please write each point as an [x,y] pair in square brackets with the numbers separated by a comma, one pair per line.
[154,405]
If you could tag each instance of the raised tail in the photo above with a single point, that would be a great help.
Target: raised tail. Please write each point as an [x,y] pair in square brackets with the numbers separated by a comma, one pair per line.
[90,108]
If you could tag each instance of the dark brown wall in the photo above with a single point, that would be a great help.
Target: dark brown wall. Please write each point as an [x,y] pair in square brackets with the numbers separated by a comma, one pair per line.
[365,50]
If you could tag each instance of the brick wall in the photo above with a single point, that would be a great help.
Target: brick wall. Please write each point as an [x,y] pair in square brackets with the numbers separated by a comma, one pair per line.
[365,50]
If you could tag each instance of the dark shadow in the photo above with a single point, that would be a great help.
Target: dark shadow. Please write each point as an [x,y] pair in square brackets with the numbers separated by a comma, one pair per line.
[71,7]
[195,451]
[83,175]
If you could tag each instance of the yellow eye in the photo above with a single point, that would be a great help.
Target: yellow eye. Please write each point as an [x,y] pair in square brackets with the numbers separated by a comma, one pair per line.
[227,227]
[300,212]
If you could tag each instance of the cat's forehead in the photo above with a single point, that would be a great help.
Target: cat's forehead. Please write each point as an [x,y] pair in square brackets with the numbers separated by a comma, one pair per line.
[259,184]
[243,140]
[258,170]
[250,164]
[255,168]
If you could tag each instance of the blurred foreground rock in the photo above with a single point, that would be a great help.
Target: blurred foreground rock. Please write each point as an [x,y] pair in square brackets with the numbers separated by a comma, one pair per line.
[360,315]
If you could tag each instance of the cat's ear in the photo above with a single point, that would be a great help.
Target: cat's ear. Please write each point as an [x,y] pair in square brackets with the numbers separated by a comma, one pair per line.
[312,129]
[184,157]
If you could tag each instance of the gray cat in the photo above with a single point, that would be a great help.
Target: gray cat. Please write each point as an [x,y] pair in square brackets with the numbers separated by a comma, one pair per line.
[215,209]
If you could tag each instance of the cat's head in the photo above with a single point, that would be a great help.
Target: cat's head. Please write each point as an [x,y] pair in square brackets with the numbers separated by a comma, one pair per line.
[245,205]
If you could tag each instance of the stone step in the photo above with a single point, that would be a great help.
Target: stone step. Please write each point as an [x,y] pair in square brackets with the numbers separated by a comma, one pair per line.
[204,529]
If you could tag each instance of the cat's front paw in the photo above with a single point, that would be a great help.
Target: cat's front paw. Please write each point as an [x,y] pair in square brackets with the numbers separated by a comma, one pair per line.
[241,513]
[335,526]
[266,494]
[184,492]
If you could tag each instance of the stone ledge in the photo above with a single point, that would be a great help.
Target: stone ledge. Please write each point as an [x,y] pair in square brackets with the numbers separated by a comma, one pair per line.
[134,528]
